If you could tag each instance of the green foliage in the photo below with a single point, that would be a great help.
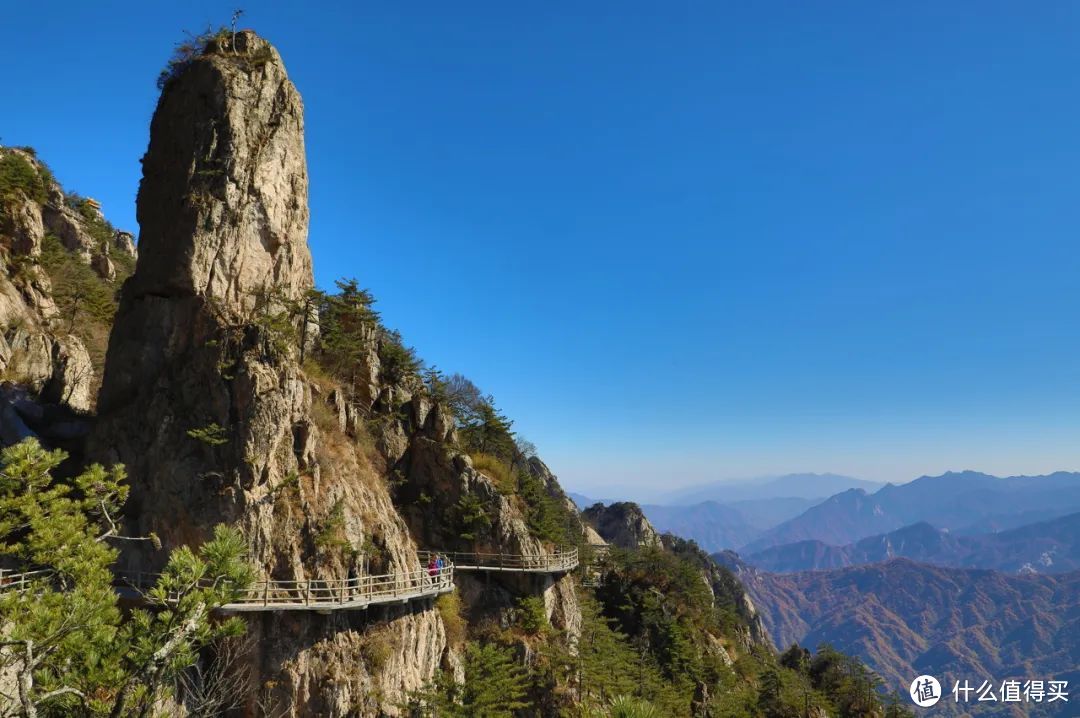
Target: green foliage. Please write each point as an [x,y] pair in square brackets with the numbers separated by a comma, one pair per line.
[80,294]
[487,431]
[532,615]
[347,325]
[497,470]
[101,231]
[630,707]
[471,516]
[547,517]
[186,52]
[609,665]
[281,320]
[495,687]
[18,176]
[397,361]
[212,434]
[376,647]
[852,688]
[662,598]
[65,636]
[332,534]
[450,610]
[85,302]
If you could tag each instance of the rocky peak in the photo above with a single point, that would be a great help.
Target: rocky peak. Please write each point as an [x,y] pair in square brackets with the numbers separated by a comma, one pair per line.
[204,400]
[223,202]
[622,524]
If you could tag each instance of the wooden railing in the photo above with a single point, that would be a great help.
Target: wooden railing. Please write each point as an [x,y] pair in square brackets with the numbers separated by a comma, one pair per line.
[21,582]
[326,594]
[309,595]
[559,561]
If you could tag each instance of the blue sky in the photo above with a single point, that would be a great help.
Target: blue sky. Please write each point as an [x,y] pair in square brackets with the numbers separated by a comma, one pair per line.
[678,242]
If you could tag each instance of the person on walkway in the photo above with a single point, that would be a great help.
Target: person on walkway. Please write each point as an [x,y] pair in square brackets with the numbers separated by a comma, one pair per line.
[432,569]
[440,564]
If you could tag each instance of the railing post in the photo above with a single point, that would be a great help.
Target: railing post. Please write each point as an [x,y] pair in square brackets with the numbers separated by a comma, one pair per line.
[307,592]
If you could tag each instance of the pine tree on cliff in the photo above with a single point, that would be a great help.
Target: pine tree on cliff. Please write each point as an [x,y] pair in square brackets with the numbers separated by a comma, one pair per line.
[65,641]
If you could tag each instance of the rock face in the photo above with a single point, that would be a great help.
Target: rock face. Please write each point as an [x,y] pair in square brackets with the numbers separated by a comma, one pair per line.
[432,467]
[36,350]
[622,524]
[223,214]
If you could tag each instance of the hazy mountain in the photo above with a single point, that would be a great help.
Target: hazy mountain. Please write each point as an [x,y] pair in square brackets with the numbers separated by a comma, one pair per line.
[715,525]
[964,503]
[583,502]
[712,525]
[766,513]
[803,486]
[1045,547]
[906,618]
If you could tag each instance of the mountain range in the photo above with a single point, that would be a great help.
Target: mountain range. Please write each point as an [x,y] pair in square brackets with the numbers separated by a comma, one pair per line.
[963,502]
[803,486]
[1044,547]
[738,512]
[907,618]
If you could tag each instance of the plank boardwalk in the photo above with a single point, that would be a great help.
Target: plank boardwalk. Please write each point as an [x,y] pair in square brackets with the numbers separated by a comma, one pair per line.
[318,595]
[560,561]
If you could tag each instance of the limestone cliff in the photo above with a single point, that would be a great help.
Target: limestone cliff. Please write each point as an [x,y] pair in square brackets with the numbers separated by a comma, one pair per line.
[433,478]
[205,402]
[60,258]
[622,524]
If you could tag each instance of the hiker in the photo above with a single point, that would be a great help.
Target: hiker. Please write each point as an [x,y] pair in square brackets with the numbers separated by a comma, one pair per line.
[350,582]
[440,564]
[432,568]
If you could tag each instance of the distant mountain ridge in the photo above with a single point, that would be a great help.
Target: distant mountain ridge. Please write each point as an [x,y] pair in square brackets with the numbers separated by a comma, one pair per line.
[741,511]
[803,486]
[907,618]
[1044,547]
[713,526]
[966,502]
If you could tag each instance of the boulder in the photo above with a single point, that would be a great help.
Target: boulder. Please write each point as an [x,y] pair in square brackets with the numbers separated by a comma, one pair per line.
[72,379]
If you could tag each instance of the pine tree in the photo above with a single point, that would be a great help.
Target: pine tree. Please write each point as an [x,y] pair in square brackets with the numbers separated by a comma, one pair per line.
[347,325]
[64,638]
[489,431]
[495,687]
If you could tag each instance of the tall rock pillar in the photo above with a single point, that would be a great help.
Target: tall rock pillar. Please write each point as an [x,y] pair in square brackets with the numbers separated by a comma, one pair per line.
[204,399]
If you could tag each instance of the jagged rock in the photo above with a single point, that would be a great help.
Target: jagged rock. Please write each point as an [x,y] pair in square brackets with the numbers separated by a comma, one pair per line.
[228,215]
[437,478]
[592,538]
[57,367]
[622,524]
[30,360]
[223,213]
[101,264]
[22,222]
[67,226]
[124,242]
[337,401]
[72,377]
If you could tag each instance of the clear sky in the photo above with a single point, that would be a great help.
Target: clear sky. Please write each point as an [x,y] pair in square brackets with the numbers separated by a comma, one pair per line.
[678,242]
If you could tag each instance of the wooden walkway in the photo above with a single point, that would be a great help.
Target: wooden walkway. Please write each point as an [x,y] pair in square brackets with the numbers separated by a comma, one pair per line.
[560,561]
[313,595]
